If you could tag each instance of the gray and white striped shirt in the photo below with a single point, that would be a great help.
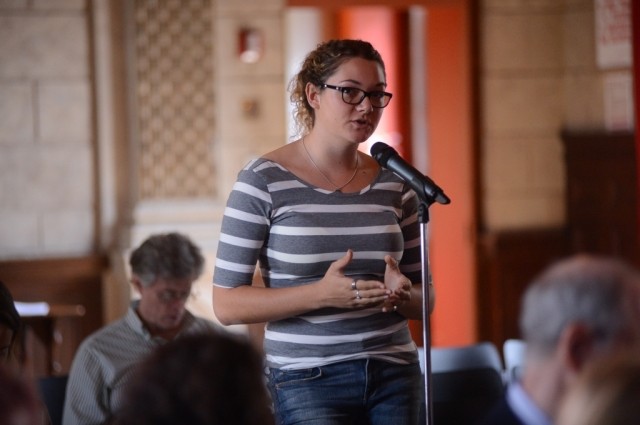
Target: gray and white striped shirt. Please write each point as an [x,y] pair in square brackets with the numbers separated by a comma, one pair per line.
[295,231]
[105,363]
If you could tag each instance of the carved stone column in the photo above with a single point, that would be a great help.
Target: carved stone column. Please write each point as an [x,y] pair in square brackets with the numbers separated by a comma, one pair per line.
[196,113]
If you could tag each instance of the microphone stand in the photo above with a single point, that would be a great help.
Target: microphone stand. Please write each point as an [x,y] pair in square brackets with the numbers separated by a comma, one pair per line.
[428,193]
[423,218]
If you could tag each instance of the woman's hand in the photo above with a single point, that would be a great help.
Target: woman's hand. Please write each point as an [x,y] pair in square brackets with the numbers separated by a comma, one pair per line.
[339,290]
[397,283]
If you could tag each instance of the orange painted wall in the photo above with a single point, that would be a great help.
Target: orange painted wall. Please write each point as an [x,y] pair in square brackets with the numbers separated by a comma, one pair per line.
[449,114]
[449,117]
[387,35]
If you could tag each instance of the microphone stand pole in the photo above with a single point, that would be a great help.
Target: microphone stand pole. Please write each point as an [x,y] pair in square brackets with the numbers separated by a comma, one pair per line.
[423,218]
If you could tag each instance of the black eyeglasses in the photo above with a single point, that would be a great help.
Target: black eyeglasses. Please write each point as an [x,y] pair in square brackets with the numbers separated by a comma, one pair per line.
[354,96]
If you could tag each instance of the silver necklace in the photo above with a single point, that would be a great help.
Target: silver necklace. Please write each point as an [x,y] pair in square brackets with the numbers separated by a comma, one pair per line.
[338,188]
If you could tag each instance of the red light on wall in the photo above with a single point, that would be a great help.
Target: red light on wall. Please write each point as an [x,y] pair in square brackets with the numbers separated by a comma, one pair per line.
[250,45]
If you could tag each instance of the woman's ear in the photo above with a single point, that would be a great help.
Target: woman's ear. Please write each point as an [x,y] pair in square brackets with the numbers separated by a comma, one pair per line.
[312,92]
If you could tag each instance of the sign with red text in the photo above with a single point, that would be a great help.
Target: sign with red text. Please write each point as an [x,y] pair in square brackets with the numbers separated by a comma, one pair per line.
[613,33]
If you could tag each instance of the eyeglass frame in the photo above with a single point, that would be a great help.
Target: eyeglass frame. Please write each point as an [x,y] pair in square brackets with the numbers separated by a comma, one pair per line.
[368,94]
[167,296]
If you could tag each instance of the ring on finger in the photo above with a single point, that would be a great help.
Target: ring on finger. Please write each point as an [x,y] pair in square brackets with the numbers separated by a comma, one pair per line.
[358,296]
[353,285]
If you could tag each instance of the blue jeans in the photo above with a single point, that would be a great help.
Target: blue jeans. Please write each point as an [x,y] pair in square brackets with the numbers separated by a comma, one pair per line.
[363,392]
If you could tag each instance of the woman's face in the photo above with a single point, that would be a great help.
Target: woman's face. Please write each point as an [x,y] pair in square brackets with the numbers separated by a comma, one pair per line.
[6,337]
[355,123]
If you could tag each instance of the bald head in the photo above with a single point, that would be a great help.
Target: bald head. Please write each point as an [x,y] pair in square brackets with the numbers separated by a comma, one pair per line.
[601,294]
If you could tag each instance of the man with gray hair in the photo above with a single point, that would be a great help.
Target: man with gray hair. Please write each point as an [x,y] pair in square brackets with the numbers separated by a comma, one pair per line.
[163,269]
[578,311]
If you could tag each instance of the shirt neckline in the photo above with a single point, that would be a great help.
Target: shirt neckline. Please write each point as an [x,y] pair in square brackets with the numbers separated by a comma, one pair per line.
[365,189]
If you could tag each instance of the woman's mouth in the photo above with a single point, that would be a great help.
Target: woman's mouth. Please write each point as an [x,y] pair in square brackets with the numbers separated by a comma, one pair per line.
[361,122]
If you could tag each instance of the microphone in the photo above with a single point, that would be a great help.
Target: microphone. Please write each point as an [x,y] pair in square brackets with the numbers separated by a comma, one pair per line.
[421,184]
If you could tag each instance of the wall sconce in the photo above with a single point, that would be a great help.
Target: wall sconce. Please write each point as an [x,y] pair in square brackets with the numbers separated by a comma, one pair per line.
[250,108]
[250,45]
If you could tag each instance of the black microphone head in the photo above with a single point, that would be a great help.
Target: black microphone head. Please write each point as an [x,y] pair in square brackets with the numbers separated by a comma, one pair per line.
[381,152]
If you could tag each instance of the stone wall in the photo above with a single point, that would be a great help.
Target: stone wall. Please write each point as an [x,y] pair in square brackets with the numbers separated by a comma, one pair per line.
[47,196]
[538,77]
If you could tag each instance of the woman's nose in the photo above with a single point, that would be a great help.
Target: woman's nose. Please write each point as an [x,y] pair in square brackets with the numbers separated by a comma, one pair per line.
[365,105]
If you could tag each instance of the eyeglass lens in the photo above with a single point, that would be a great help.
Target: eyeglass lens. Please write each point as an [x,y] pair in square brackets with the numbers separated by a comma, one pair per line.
[168,296]
[354,96]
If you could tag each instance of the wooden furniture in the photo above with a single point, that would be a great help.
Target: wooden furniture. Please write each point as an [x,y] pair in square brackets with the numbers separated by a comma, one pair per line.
[508,260]
[73,289]
[50,340]
[602,218]
[602,193]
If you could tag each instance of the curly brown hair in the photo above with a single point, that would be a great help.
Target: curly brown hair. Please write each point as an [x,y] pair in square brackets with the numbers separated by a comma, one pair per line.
[317,67]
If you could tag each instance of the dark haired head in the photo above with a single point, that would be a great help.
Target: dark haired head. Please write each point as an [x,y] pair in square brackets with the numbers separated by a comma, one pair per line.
[199,380]
[8,313]
[9,318]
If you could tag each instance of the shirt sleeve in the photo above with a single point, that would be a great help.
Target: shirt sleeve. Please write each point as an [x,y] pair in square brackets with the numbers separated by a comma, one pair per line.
[86,400]
[245,226]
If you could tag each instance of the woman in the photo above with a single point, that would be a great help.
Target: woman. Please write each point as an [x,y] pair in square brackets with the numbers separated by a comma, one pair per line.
[337,240]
